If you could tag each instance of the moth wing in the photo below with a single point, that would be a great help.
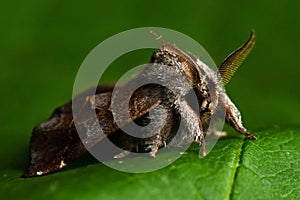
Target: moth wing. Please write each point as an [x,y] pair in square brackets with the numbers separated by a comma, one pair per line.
[140,103]
[55,142]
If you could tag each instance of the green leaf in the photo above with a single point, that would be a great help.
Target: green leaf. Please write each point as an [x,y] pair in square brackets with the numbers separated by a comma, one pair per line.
[236,168]
[269,167]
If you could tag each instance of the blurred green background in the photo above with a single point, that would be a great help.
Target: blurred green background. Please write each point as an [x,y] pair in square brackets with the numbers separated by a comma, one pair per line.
[44,42]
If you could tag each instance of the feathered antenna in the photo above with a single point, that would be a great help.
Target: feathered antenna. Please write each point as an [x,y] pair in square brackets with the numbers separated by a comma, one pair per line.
[231,63]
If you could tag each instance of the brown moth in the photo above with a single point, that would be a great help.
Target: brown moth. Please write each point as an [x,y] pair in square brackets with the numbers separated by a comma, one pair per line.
[55,142]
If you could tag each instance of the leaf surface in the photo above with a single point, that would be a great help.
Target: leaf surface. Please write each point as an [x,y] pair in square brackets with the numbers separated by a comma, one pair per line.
[236,168]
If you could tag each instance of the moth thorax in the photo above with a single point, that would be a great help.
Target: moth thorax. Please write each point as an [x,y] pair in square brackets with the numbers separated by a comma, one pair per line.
[164,57]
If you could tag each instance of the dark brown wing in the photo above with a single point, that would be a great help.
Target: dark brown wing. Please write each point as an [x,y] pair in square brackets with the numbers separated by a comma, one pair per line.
[140,103]
[55,142]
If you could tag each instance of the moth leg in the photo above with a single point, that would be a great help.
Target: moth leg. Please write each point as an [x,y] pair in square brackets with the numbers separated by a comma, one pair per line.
[194,124]
[203,145]
[160,139]
[216,132]
[213,131]
[219,133]
[233,118]
[122,154]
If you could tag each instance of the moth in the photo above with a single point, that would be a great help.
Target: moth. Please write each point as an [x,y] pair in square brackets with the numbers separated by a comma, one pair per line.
[55,142]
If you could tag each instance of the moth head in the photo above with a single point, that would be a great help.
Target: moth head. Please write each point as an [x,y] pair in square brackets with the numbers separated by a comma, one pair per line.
[232,62]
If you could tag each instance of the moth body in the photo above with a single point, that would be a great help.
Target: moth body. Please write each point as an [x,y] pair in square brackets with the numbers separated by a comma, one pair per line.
[180,89]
